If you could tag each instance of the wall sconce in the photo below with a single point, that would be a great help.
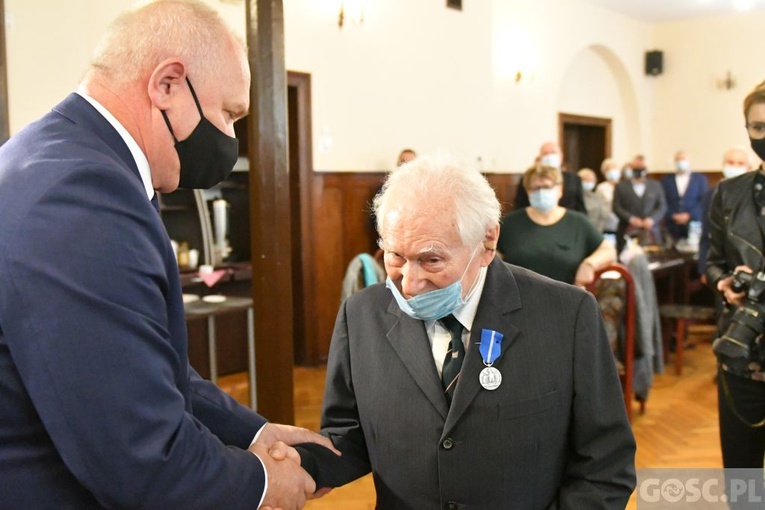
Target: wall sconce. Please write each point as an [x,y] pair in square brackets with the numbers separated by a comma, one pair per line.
[351,11]
[523,76]
[727,83]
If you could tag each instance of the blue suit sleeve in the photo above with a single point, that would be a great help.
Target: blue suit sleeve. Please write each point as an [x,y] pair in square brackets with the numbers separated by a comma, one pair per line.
[87,301]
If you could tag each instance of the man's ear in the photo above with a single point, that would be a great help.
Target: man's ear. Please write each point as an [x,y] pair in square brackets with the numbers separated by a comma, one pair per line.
[490,245]
[164,81]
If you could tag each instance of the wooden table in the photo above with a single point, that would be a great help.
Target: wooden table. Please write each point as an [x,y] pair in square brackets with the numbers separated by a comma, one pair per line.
[204,310]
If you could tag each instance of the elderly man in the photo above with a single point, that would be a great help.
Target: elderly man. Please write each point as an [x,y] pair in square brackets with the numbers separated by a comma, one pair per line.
[551,155]
[683,191]
[465,382]
[736,161]
[100,407]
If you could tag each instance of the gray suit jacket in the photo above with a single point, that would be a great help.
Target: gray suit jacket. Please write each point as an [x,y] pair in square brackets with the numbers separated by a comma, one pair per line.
[553,435]
[626,203]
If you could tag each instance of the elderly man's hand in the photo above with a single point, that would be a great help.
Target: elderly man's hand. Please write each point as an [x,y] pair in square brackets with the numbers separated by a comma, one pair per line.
[273,432]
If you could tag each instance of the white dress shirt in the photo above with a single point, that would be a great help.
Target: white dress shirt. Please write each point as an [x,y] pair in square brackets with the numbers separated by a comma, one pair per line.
[440,337]
[681,181]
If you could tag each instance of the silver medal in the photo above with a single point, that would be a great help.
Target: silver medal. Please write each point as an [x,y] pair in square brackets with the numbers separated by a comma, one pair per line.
[490,378]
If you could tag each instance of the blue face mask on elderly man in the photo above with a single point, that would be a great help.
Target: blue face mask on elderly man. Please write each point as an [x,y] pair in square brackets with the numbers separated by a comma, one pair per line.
[436,304]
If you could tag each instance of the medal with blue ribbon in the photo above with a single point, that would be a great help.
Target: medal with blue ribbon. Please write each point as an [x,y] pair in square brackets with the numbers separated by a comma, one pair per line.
[490,349]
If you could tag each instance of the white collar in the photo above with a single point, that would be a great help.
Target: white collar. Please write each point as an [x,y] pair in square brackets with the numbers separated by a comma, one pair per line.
[466,313]
[140,158]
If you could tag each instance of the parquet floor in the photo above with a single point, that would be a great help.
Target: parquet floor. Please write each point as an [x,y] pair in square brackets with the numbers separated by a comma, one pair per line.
[678,429]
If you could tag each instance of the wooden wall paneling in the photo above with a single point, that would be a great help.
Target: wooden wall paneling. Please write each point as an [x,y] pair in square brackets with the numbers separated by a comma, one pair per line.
[330,265]
[713,177]
[505,186]
[342,228]
[270,207]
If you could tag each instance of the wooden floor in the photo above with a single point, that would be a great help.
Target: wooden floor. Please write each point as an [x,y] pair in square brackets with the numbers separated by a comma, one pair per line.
[678,429]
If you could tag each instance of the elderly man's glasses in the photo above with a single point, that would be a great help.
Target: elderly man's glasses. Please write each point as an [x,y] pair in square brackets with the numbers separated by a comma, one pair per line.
[756,130]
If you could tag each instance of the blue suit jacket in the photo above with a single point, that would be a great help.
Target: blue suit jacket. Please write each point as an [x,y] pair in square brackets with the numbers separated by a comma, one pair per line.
[690,202]
[100,407]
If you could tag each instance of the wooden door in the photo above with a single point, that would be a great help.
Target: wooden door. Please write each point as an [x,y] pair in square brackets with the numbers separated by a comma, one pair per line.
[585,141]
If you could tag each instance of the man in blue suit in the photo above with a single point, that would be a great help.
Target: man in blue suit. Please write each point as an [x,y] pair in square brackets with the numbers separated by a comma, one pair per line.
[99,406]
[683,192]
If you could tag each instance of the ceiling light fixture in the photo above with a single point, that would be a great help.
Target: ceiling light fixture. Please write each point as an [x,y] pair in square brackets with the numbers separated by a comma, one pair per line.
[351,11]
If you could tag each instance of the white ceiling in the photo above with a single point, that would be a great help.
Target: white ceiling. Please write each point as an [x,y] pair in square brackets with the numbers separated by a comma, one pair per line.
[668,10]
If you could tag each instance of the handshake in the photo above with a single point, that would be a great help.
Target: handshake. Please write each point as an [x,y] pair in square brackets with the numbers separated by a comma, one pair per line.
[289,485]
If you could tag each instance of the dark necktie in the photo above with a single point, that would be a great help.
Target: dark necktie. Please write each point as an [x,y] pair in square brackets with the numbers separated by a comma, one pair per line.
[155,202]
[454,356]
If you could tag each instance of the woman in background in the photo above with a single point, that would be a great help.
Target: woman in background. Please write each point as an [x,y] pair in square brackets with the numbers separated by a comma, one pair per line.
[550,239]
[735,222]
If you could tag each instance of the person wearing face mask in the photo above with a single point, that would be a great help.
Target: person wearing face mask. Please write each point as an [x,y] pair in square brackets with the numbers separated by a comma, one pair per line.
[640,205]
[736,226]
[573,198]
[454,383]
[605,189]
[736,161]
[100,407]
[550,239]
[683,192]
[597,211]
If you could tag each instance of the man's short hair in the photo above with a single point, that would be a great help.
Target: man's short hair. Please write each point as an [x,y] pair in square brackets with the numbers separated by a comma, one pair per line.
[140,39]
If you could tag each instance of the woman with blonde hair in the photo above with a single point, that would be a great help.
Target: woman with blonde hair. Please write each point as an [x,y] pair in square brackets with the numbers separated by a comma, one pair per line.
[550,239]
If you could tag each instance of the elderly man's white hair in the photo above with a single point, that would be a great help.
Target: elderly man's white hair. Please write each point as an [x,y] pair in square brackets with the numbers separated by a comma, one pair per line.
[433,180]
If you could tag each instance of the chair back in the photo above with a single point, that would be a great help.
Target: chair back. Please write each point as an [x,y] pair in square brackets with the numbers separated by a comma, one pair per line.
[618,271]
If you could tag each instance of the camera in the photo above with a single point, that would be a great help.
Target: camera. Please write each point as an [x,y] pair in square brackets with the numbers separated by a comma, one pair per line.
[737,347]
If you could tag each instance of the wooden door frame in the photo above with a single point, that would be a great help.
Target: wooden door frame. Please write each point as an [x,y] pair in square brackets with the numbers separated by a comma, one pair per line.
[302,83]
[584,120]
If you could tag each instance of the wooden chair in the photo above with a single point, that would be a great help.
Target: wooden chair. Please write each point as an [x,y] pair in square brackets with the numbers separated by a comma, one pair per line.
[629,316]
[682,315]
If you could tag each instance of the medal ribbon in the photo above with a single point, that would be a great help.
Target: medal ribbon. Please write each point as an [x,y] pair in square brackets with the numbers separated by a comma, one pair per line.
[491,346]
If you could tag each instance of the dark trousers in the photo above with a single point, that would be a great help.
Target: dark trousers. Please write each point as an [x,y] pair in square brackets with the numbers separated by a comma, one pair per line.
[742,445]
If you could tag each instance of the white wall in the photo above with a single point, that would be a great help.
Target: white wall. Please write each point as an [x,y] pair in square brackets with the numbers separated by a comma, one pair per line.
[414,74]
[690,111]
[421,75]
[49,44]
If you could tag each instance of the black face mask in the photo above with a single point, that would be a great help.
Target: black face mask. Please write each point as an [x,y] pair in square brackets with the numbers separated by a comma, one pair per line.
[638,173]
[207,156]
[758,146]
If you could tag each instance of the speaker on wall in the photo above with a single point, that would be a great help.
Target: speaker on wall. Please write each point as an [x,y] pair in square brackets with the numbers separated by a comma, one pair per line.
[654,62]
